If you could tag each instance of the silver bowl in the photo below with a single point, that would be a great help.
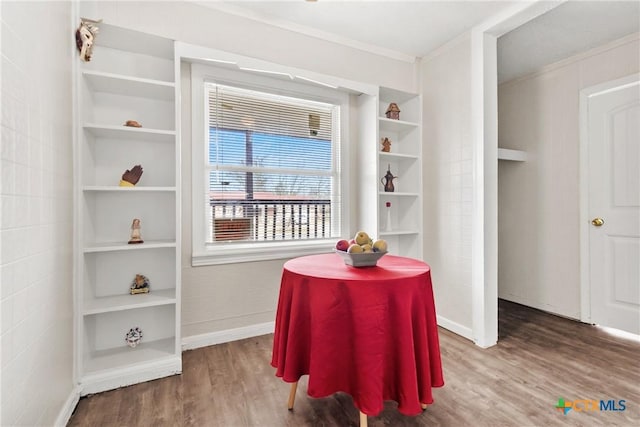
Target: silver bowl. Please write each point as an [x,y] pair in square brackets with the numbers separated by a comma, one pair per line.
[369,259]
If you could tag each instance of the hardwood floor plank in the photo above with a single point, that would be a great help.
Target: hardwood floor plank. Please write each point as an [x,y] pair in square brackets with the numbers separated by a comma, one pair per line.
[539,358]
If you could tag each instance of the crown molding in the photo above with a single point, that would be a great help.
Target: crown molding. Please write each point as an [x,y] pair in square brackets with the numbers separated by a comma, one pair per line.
[308,31]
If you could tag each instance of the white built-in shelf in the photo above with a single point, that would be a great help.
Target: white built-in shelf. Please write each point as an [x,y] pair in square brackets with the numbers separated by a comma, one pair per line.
[115,246]
[397,156]
[392,125]
[514,155]
[397,194]
[128,301]
[99,188]
[130,86]
[124,356]
[133,41]
[124,132]
[398,232]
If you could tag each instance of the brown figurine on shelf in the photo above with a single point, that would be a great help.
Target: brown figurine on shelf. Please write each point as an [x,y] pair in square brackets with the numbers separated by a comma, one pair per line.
[386,145]
[133,124]
[131,177]
[393,111]
[135,232]
[140,285]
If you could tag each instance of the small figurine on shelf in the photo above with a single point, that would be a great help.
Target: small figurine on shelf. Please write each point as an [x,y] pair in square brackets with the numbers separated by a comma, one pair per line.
[388,181]
[386,145]
[133,337]
[140,285]
[393,111]
[135,232]
[131,177]
[85,35]
[133,124]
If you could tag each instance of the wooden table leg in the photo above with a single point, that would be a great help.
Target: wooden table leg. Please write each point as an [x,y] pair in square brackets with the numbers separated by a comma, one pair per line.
[292,395]
[363,419]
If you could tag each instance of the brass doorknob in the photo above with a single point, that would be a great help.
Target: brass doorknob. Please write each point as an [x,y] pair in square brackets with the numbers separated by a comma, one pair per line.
[597,222]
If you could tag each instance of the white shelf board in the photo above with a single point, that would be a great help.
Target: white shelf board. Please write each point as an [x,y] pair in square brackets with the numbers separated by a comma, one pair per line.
[119,357]
[126,132]
[116,246]
[398,156]
[99,188]
[128,301]
[391,125]
[397,194]
[133,41]
[398,232]
[514,155]
[129,86]
[394,95]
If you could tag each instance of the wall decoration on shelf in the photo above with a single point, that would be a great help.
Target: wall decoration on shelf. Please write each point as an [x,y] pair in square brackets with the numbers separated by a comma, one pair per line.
[135,232]
[133,337]
[131,177]
[140,285]
[388,181]
[133,124]
[388,225]
[393,111]
[386,145]
[85,35]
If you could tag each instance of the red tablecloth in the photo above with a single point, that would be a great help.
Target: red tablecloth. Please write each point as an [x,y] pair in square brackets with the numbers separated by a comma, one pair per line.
[370,332]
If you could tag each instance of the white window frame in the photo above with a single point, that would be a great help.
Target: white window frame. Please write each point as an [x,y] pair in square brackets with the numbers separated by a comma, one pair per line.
[220,253]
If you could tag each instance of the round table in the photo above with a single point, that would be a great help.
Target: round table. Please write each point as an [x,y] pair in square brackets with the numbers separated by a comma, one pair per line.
[370,332]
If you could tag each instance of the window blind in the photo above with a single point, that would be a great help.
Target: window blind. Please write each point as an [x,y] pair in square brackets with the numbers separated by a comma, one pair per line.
[272,172]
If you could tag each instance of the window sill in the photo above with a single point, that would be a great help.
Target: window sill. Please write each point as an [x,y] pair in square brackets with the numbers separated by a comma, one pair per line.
[249,252]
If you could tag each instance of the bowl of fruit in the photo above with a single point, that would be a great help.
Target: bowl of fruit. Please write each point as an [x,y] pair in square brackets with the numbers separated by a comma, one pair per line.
[361,251]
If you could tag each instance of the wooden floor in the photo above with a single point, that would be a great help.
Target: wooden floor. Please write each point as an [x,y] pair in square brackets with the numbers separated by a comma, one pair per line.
[539,358]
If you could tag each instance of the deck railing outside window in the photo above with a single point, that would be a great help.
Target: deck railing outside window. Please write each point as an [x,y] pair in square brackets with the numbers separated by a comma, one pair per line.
[269,220]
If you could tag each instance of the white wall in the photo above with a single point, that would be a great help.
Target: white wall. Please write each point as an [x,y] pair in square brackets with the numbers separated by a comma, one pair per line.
[445,80]
[221,297]
[539,250]
[36,225]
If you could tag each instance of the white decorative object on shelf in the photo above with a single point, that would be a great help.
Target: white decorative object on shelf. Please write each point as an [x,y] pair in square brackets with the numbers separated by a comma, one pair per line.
[133,337]
[388,224]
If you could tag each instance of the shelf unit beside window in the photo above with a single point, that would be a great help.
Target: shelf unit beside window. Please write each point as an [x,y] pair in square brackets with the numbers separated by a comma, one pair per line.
[404,162]
[131,76]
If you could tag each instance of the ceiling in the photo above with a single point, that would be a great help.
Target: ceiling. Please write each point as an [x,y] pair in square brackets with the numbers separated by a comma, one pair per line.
[571,28]
[407,30]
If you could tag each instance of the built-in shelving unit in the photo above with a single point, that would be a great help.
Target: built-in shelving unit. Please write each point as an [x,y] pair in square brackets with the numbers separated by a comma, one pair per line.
[132,76]
[404,160]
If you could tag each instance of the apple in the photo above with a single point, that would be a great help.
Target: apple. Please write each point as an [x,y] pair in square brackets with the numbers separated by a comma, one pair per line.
[367,248]
[355,249]
[342,245]
[352,242]
[361,238]
[380,246]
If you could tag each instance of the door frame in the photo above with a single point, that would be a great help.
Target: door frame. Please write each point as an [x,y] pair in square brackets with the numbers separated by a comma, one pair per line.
[484,126]
[585,94]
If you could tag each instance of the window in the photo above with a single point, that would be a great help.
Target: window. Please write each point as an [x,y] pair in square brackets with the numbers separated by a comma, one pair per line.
[271,172]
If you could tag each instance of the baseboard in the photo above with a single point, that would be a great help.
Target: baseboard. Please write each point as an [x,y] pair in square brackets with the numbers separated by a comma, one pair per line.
[540,306]
[454,327]
[67,409]
[133,374]
[228,335]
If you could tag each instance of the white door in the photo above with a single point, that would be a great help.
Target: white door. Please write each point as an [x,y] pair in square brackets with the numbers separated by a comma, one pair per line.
[614,206]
